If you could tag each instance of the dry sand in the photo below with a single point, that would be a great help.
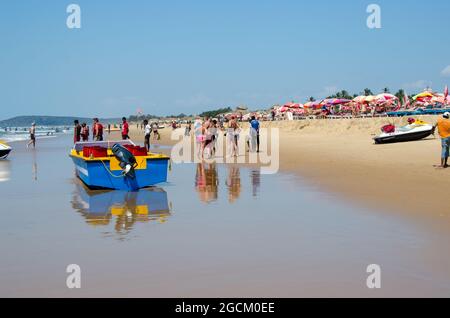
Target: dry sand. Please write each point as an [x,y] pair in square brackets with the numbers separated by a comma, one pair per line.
[339,155]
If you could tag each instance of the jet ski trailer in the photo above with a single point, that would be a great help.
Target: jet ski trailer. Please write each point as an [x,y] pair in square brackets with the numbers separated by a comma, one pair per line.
[405,134]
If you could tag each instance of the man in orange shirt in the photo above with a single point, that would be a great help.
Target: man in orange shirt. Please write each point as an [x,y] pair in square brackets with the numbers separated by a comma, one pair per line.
[443,126]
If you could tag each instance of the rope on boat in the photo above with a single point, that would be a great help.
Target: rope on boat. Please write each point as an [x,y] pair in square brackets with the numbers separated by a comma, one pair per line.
[110,172]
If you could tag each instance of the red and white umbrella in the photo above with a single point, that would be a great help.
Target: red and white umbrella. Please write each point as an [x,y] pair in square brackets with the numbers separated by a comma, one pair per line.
[385,97]
[293,105]
[364,99]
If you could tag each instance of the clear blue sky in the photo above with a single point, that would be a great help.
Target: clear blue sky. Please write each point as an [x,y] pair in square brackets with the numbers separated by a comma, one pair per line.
[168,57]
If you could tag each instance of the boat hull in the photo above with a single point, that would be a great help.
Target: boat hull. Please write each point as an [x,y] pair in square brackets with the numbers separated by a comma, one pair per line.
[4,153]
[98,174]
[405,137]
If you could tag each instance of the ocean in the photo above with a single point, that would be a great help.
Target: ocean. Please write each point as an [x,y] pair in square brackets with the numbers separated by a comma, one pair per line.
[12,134]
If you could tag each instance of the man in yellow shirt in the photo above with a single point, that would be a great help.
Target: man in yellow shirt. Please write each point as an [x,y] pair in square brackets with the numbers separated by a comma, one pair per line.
[443,126]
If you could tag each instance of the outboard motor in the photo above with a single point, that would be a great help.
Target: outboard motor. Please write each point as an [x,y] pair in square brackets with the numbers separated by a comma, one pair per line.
[126,160]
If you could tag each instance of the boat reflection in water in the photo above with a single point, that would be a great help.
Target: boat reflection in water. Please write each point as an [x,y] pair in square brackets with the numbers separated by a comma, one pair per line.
[99,207]
[5,168]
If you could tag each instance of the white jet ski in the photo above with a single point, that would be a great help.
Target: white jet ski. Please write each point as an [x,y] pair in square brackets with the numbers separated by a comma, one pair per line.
[4,150]
[416,130]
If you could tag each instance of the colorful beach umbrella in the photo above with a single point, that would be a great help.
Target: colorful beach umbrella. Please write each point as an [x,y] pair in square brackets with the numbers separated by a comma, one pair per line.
[385,97]
[364,99]
[293,105]
[423,96]
[335,101]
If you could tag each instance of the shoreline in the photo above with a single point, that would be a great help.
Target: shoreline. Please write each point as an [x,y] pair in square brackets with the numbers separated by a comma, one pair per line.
[340,156]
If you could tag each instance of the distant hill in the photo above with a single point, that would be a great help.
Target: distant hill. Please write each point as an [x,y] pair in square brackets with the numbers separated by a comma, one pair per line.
[25,121]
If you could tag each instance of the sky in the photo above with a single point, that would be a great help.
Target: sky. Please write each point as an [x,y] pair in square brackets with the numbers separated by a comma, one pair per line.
[170,57]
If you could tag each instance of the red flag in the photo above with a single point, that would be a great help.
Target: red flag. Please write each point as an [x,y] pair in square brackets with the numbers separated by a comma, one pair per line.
[406,101]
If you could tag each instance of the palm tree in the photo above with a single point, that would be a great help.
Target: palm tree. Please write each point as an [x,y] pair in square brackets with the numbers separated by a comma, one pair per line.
[367,92]
[400,95]
[312,99]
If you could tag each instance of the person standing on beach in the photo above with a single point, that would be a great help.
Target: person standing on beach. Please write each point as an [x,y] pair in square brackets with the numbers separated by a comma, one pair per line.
[97,130]
[32,136]
[233,136]
[254,133]
[109,128]
[76,131]
[84,132]
[198,134]
[156,135]
[187,130]
[125,129]
[443,125]
[147,130]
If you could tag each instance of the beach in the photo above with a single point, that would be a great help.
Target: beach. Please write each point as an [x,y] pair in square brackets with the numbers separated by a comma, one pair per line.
[213,230]
[339,155]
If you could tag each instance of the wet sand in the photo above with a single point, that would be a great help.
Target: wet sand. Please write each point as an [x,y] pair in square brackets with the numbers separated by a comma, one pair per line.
[212,230]
[340,156]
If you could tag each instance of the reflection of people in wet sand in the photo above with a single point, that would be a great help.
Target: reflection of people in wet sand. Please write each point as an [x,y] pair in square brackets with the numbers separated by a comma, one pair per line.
[207,182]
[256,181]
[233,183]
[34,169]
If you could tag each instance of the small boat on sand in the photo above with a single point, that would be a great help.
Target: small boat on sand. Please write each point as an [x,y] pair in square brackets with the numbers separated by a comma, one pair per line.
[415,130]
[119,165]
[5,149]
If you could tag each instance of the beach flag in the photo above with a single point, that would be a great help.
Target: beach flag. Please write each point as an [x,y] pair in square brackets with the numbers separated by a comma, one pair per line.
[445,94]
[406,101]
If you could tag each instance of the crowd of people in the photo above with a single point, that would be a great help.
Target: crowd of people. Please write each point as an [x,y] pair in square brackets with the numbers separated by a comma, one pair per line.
[82,131]
[206,133]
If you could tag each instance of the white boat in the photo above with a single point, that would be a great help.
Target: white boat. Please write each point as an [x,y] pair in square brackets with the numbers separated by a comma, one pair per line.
[4,150]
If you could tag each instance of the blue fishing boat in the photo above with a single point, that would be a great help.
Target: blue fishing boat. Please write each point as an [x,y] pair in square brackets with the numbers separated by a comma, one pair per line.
[118,165]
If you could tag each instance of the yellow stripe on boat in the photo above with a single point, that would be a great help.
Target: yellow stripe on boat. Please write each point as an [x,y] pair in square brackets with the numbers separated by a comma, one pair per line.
[141,160]
[142,209]
[117,210]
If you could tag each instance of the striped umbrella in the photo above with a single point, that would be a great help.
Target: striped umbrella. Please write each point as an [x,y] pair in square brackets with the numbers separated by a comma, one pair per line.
[335,101]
